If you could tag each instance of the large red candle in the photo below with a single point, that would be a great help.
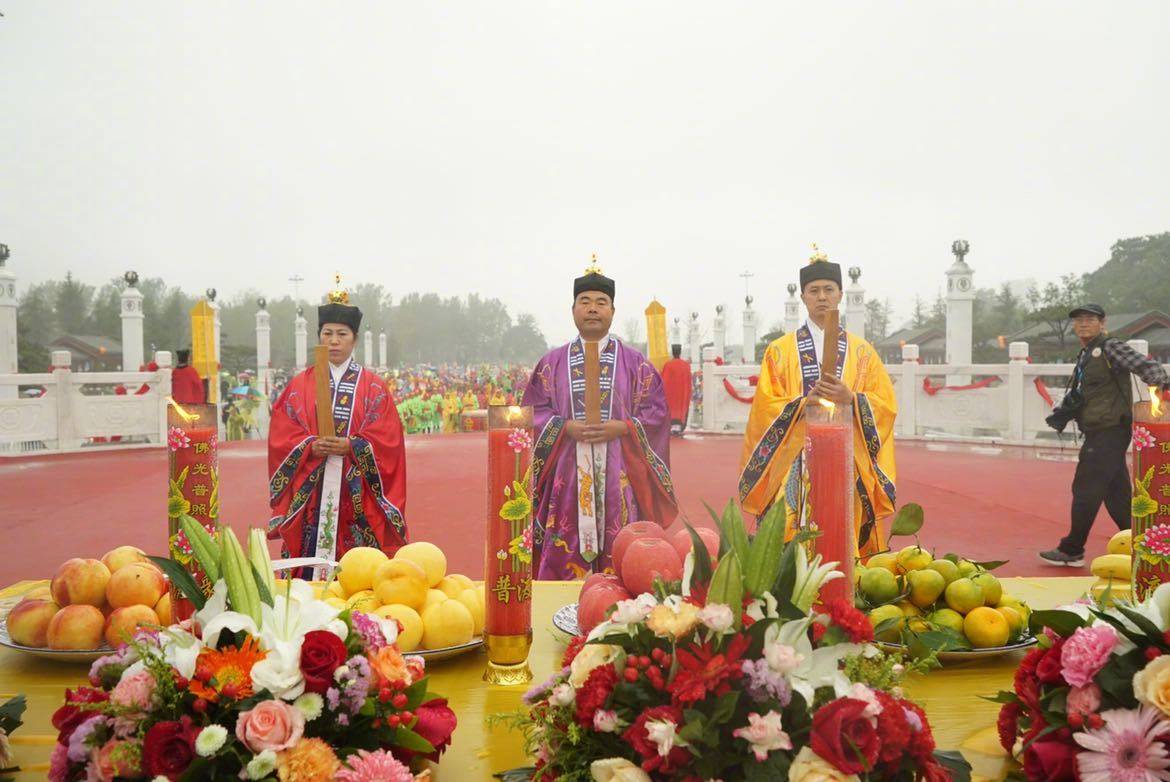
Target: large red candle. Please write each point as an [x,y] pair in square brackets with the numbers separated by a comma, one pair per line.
[508,553]
[1151,498]
[829,457]
[193,485]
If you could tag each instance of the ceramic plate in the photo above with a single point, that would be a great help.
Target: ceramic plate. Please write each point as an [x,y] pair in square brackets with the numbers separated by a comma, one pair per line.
[87,656]
[434,655]
[959,656]
[565,619]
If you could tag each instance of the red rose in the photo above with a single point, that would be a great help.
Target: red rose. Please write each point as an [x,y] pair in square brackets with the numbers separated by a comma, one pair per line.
[1052,759]
[436,723]
[844,736]
[1008,725]
[594,693]
[68,717]
[1049,667]
[322,653]
[169,748]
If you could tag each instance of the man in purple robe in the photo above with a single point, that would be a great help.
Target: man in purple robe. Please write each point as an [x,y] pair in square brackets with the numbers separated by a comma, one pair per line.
[590,480]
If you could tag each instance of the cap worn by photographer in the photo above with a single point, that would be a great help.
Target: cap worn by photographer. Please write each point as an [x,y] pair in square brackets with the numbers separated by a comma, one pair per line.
[1088,309]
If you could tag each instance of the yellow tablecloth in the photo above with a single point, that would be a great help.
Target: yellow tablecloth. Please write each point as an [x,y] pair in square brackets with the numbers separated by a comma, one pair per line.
[961,720]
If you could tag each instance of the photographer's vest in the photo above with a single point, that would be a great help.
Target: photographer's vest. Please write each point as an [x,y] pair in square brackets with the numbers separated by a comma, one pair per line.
[1107,393]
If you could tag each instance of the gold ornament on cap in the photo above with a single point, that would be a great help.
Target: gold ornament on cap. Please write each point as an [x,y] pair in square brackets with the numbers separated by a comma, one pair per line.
[593,268]
[338,295]
[818,255]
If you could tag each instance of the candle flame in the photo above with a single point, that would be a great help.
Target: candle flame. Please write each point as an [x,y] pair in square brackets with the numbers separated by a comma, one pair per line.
[188,417]
[827,403]
[1155,402]
[514,413]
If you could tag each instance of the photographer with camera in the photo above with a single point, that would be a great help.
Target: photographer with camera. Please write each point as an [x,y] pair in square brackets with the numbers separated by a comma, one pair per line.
[1100,399]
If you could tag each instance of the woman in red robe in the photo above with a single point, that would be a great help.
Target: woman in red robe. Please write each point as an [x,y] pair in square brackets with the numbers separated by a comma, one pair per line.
[348,488]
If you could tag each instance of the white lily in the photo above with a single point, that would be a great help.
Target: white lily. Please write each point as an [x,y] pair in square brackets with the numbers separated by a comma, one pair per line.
[214,617]
[816,667]
[296,612]
[1155,608]
[763,607]
[181,649]
[810,577]
[280,672]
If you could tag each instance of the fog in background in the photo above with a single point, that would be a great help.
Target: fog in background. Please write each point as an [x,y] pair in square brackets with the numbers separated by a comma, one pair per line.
[461,147]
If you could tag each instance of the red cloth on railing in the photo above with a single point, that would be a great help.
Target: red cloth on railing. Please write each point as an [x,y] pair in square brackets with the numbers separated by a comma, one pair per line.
[747,400]
[1042,390]
[932,390]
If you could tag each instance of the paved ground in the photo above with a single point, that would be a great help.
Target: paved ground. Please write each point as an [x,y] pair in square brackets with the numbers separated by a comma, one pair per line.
[1005,506]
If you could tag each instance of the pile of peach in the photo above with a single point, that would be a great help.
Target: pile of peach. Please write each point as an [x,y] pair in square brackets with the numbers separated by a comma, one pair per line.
[90,601]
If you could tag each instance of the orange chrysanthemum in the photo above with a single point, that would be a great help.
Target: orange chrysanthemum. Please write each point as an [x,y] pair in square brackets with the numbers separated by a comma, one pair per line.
[310,760]
[226,672]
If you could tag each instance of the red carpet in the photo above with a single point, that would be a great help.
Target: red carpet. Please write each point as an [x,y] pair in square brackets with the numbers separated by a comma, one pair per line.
[56,507]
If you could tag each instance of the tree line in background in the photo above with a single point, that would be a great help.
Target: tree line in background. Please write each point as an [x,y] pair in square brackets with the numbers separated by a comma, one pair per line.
[1135,279]
[420,327]
[427,328]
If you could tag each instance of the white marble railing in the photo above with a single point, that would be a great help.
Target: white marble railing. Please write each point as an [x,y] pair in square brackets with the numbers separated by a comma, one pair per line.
[64,410]
[1010,410]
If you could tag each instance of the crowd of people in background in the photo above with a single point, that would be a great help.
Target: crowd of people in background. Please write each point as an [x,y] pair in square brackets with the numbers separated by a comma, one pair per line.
[445,398]
[430,398]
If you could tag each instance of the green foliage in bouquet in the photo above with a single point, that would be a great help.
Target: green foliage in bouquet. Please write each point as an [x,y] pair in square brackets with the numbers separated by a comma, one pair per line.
[734,673]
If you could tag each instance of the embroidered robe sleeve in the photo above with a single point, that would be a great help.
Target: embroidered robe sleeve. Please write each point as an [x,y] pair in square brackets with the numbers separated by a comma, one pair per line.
[292,468]
[775,428]
[875,408]
[547,420]
[646,446]
[379,454]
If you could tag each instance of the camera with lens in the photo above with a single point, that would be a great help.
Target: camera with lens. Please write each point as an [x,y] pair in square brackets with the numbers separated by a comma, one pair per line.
[1068,410]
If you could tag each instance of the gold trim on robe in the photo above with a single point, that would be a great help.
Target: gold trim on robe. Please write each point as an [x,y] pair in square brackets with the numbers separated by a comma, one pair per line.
[775,436]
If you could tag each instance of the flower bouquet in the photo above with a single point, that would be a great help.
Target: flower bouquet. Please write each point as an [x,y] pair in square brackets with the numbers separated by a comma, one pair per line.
[730,674]
[1092,702]
[11,712]
[265,682]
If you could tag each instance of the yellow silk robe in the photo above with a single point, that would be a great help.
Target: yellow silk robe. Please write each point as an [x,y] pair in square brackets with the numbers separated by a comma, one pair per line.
[776,432]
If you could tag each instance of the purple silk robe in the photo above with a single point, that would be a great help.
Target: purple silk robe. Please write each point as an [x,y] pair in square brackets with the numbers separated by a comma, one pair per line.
[636,485]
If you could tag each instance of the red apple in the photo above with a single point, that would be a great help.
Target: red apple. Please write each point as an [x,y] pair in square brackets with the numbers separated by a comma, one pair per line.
[681,540]
[596,580]
[647,558]
[594,605]
[628,534]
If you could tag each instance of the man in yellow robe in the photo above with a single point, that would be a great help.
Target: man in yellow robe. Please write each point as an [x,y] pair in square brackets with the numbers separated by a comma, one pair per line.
[790,378]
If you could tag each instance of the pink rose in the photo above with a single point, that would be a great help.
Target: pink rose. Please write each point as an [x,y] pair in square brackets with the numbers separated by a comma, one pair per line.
[270,725]
[1085,653]
[1084,700]
[135,691]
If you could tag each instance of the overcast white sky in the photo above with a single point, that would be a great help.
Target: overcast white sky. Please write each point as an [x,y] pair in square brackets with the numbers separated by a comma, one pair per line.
[492,147]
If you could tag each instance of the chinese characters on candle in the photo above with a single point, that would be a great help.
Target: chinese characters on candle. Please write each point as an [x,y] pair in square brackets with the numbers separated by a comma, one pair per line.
[508,562]
[193,477]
